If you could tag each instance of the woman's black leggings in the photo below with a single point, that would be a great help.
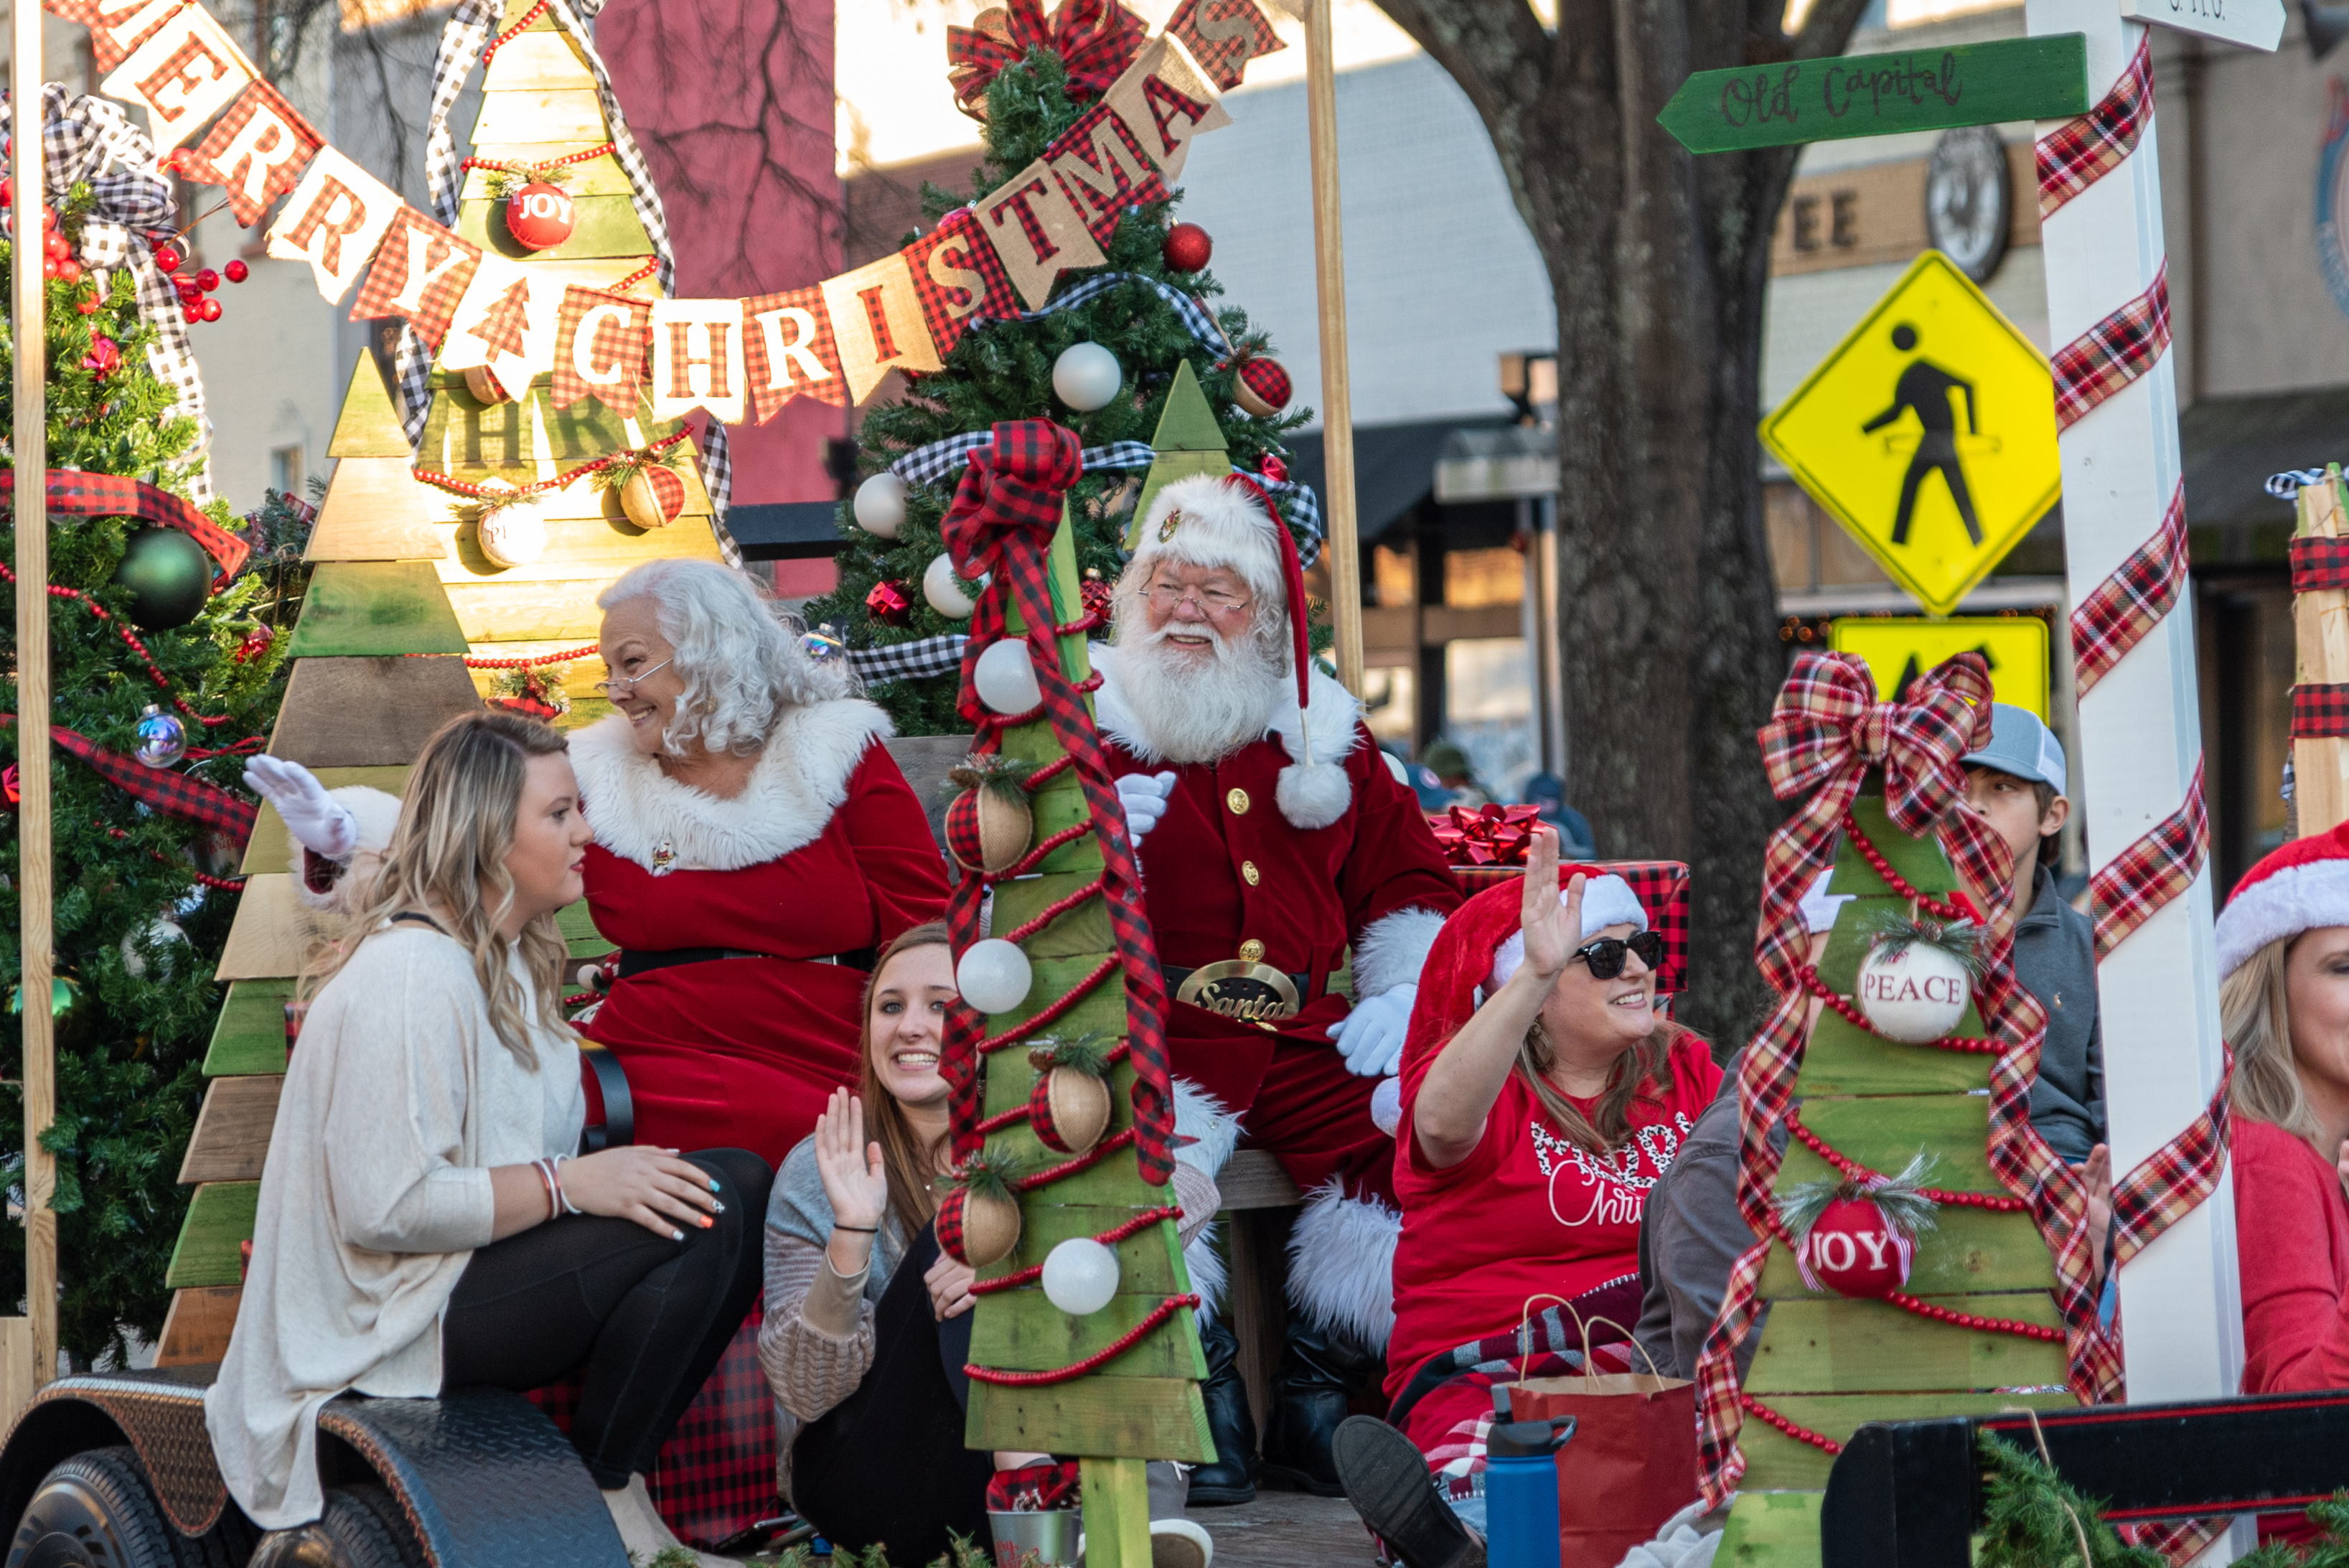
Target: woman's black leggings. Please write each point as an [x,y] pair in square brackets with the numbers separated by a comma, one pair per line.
[646,1316]
[886,1465]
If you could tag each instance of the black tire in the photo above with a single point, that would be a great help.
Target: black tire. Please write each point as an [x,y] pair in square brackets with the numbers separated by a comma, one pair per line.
[362,1527]
[95,1511]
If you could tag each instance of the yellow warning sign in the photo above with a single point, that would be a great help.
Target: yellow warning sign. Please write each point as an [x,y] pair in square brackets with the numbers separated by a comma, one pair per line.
[1930,433]
[1901,648]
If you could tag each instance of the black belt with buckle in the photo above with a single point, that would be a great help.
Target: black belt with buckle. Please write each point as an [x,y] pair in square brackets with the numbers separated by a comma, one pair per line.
[637,961]
[1237,988]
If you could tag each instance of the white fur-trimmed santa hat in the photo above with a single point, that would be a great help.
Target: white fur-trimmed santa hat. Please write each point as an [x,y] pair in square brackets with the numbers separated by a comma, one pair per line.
[2301,887]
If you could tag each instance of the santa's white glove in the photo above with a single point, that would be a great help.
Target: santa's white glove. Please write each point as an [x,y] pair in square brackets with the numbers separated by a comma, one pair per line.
[318,823]
[1144,795]
[1386,1105]
[1370,1037]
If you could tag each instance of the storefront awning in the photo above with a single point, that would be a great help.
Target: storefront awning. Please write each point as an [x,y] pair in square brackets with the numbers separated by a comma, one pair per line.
[1395,467]
[2231,445]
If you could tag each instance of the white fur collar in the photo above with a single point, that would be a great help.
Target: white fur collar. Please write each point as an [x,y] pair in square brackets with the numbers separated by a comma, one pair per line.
[801,776]
[1313,793]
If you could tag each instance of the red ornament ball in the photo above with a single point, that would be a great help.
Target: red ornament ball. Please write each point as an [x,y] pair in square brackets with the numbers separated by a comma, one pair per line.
[887,603]
[1851,1251]
[208,280]
[539,215]
[70,271]
[1260,385]
[236,272]
[86,305]
[210,310]
[168,259]
[7,191]
[1187,248]
[256,643]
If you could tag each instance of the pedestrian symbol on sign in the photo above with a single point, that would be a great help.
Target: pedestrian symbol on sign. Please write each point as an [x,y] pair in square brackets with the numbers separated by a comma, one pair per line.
[1929,433]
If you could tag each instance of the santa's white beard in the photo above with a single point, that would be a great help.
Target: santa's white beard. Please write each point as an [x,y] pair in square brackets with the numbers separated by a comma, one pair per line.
[1192,709]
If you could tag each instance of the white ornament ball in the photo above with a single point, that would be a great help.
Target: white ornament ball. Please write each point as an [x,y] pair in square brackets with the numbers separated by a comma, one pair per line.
[1914,996]
[880,505]
[1079,1276]
[944,593]
[514,534]
[1006,677]
[1086,376]
[993,976]
[163,933]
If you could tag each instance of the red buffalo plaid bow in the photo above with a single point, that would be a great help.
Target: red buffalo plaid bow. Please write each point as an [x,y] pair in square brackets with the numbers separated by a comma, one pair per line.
[1096,40]
[1486,836]
[1826,733]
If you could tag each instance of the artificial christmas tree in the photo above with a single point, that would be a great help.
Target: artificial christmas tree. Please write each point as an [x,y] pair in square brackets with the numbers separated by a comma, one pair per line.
[1136,306]
[153,706]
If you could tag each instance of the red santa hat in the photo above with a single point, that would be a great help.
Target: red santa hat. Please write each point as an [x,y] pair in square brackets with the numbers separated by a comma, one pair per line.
[2301,887]
[1230,521]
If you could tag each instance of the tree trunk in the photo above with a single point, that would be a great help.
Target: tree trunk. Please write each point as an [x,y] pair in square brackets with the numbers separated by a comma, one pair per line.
[1658,260]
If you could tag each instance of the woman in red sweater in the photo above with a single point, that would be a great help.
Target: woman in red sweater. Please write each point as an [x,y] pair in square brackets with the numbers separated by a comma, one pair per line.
[2283,1000]
[1542,1098]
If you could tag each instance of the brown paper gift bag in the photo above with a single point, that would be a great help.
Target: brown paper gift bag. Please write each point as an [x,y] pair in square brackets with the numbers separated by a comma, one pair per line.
[1632,1463]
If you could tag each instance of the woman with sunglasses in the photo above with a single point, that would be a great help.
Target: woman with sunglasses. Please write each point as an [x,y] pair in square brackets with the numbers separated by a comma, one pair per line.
[1543,1095]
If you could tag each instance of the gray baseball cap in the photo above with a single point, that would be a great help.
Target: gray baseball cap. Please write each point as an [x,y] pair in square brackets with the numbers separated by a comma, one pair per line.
[2021,745]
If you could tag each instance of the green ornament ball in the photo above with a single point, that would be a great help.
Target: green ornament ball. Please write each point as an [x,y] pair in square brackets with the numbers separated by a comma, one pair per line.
[66,1007]
[168,575]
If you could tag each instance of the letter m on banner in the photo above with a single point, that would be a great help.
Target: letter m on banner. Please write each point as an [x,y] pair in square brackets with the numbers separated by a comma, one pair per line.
[1102,167]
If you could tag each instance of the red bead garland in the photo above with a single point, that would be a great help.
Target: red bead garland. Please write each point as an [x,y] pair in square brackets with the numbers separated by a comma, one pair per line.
[1106,1354]
[1898,883]
[1975,1320]
[652,265]
[586,155]
[510,34]
[1769,1417]
[467,488]
[131,638]
[1118,1232]
[1852,1169]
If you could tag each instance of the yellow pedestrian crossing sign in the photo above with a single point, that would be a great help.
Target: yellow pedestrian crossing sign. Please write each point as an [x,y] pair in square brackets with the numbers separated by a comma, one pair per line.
[1929,433]
[1899,648]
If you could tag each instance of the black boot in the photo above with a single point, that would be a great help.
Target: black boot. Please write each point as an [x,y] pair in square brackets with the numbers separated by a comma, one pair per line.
[1232,1478]
[1321,1370]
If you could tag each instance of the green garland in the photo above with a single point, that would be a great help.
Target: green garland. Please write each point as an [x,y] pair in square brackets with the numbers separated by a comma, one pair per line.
[2032,1518]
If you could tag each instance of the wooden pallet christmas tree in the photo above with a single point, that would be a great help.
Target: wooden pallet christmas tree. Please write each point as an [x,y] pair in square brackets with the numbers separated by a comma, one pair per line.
[1827,1363]
[401,595]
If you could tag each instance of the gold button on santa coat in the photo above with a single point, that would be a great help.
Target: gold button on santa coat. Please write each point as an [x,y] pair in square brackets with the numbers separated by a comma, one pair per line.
[1238,802]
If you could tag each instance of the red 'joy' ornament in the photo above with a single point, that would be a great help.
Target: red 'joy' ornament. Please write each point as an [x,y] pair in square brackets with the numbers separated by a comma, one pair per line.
[236,272]
[1260,385]
[1852,1250]
[539,215]
[1187,248]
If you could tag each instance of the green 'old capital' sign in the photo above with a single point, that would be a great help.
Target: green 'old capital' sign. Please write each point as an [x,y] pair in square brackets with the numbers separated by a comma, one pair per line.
[1876,95]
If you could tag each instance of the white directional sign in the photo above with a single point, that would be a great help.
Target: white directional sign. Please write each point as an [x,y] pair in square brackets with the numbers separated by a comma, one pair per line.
[2252,23]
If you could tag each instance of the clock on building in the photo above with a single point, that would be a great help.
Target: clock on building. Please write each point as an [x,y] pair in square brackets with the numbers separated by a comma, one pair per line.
[1969,200]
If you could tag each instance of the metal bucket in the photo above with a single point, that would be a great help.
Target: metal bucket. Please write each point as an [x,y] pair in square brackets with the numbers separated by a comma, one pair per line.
[1050,1535]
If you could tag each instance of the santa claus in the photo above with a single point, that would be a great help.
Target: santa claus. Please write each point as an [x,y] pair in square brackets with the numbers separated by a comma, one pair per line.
[1274,840]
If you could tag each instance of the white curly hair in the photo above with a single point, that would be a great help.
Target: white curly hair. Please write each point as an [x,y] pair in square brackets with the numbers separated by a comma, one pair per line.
[738,653]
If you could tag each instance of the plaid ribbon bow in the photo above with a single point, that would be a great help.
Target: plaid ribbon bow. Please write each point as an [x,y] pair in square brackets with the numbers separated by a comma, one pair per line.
[1096,40]
[164,790]
[1004,516]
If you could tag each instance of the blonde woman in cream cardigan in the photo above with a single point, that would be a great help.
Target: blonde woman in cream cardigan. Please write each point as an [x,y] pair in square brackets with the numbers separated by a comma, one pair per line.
[422,1226]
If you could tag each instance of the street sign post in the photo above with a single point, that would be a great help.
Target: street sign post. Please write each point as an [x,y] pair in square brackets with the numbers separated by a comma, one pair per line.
[1929,433]
[1898,648]
[1877,95]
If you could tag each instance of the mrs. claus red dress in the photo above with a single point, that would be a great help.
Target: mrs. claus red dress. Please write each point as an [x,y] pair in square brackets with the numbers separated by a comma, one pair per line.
[824,857]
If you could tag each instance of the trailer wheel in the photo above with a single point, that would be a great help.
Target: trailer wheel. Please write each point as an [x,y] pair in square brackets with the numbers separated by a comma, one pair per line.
[95,1511]
[361,1527]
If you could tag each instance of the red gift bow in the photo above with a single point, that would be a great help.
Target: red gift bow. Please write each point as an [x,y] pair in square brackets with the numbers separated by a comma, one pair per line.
[1486,835]
[1096,40]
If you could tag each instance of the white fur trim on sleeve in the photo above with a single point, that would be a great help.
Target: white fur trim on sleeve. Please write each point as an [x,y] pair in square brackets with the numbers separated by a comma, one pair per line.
[1392,948]
[1205,1264]
[2295,899]
[1341,1263]
[376,814]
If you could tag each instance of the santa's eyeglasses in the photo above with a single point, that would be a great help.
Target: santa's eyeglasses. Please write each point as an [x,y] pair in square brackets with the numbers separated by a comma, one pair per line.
[1164,597]
[1605,956]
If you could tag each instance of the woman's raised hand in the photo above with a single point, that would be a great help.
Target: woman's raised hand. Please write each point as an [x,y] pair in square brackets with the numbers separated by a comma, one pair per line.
[855,1179]
[1552,929]
[651,1186]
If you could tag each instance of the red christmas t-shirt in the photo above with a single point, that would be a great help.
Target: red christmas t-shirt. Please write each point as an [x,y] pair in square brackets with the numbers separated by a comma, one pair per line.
[1529,1212]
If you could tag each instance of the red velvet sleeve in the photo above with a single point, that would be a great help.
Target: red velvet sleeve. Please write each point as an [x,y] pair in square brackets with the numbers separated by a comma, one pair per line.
[1395,864]
[2289,1225]
[905,875]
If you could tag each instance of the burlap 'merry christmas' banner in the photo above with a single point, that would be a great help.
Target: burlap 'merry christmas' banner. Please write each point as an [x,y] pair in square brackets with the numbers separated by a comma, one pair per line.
[739,361]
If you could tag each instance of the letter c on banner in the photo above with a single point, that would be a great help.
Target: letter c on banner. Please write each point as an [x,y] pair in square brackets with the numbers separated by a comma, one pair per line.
[582,345]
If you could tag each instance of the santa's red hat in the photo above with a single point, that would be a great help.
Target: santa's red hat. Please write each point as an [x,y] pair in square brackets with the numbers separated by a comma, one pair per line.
[2301,887]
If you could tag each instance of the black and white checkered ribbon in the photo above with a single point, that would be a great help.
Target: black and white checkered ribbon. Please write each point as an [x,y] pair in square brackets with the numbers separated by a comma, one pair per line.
[1194,316]
[944,459]
[461,41]
[89,140]
[2287,485]
[912,660]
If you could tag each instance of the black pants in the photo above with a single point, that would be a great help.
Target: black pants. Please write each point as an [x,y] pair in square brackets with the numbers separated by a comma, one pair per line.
[646,1316]
[887,1464]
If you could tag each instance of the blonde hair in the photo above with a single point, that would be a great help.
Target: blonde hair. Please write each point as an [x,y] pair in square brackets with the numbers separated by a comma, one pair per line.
[1645,1063]
[2255,1019]
[446,859]
[909,1164]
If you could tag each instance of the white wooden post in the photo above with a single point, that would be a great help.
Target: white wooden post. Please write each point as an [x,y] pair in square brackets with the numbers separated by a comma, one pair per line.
[2158,990]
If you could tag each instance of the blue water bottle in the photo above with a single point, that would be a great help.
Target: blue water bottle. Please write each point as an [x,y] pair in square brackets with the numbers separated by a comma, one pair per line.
[1521,1491]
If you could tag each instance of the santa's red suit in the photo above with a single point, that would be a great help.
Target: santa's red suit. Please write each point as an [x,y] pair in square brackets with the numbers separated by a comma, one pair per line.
[746,924]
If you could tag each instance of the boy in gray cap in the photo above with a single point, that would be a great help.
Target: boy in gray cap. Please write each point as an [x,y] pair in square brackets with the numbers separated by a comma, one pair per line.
[2016,784]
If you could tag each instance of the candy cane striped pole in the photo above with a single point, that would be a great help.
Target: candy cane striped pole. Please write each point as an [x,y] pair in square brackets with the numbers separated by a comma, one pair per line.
[2133,643]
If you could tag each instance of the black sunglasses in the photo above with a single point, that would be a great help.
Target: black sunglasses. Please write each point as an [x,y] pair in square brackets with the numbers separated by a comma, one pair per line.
[1605,956]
